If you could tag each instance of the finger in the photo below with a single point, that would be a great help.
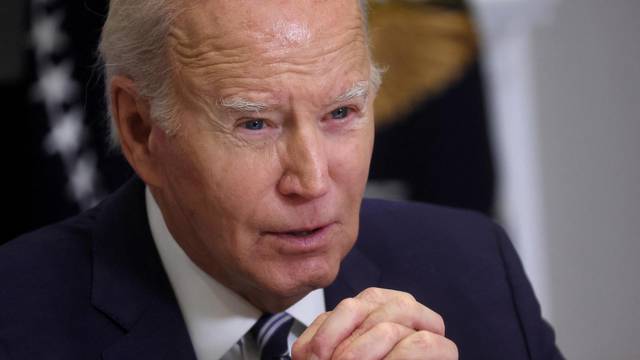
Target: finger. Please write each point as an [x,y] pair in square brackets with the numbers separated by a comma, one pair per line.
[380,295]
[373,344]
[342,321]
[405,310]
[298,350]
[424,345]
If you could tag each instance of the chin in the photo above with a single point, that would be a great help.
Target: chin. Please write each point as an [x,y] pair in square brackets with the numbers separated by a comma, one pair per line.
[289,284]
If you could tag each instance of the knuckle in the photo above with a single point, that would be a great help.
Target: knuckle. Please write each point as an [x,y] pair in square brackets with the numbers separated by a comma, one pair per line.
[348,304]
[408,297]
[439,324]
[454,353]
[405,300]
[452,349]
[423,340]
[317,347]
[371,293]
[387,331]
[322,317]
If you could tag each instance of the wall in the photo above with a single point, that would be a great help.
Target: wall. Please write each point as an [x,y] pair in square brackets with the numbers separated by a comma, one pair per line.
[586,69]
[565,94]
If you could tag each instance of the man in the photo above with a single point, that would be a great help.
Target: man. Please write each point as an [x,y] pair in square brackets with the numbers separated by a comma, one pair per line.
[249,126]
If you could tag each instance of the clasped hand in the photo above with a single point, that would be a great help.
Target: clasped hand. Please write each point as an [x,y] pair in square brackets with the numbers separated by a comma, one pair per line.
[376,324]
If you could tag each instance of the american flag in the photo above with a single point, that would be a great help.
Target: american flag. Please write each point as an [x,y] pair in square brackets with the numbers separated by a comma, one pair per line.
[68,168]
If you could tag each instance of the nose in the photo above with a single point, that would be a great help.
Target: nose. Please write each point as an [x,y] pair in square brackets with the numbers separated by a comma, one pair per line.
[305,166]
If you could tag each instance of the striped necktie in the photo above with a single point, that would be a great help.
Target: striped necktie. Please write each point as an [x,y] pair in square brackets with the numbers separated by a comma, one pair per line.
[271,333]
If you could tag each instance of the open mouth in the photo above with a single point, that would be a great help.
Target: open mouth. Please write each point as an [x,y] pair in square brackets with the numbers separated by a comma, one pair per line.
[303,232]
[302,241]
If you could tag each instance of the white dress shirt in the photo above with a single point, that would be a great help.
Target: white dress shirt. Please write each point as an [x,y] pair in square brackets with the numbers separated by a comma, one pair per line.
[217,318]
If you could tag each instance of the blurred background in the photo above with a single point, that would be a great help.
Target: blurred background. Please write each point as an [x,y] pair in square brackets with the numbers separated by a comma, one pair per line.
[525,110]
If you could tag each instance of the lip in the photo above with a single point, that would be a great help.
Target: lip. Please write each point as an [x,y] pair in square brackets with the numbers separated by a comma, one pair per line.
[289,243]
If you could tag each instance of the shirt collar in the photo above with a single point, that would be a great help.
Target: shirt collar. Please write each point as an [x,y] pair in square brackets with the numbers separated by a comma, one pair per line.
[216,317]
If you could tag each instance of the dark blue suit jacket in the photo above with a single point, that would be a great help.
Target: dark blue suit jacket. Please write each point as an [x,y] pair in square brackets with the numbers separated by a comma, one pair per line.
[93,286]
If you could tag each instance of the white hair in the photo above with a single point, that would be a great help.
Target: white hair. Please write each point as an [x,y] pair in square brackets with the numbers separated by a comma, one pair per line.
[134,44]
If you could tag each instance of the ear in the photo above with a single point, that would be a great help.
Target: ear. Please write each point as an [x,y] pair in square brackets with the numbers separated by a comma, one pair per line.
[131,114]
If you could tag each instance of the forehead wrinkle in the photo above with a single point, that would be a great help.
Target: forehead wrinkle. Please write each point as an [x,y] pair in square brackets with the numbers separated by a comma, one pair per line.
[214,64]
[206,54]
[199,30]
[217,79]
[274,85]
[335,57]
[347,44]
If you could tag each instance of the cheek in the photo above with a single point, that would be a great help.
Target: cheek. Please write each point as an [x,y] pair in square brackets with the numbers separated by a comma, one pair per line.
[350,158]
[221,190]
[235,179]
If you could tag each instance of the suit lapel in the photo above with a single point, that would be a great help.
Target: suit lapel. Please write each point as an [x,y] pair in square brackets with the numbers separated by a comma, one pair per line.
[129,282]
[131,287]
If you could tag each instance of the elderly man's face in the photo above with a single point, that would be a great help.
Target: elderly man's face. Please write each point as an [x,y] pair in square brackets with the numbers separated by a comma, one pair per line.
[263,182]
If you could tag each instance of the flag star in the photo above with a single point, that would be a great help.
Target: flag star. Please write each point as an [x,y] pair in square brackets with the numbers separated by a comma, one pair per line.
[83,177]
[56,84]
[46,35]
[67,134]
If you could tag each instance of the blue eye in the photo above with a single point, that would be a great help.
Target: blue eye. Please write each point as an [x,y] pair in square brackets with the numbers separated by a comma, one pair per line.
[255,124]
[340,113]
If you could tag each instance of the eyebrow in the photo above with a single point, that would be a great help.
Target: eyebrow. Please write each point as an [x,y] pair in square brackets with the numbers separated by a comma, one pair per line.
[359,89]
[239,104]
